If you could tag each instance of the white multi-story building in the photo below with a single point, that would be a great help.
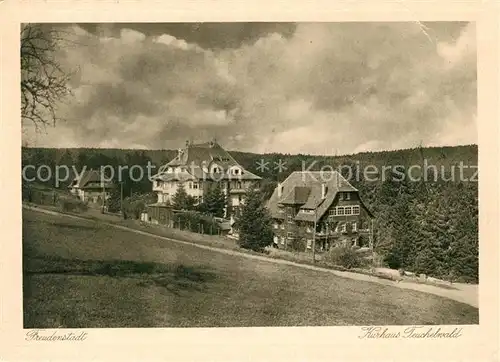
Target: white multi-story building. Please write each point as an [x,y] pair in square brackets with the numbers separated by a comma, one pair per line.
[197,168]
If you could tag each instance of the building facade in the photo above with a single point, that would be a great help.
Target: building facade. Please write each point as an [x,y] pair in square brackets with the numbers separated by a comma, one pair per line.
[199,167]
[322,207]
[90,187]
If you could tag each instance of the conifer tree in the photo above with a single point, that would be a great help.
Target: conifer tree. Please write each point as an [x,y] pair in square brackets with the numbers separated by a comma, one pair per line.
[114,200]
[254,223]
[181,200]
[214,202]
[403,234]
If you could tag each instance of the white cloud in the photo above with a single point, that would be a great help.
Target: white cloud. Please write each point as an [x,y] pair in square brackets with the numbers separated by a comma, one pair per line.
[176,43]
[329,88]
[464,47]
[131,36]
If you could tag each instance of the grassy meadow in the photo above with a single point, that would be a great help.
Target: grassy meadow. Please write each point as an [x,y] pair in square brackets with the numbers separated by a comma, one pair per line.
[84,274]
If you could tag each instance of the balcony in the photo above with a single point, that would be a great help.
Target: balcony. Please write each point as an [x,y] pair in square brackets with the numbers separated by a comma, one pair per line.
[157,186]
[237,191]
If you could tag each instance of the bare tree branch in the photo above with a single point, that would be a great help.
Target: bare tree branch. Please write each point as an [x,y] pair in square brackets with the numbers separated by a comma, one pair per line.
[44,83]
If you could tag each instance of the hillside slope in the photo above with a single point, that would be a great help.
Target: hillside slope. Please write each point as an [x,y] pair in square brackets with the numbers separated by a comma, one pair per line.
[426,225]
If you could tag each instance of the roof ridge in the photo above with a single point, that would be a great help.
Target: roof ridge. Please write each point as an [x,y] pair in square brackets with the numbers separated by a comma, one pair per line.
[332,171]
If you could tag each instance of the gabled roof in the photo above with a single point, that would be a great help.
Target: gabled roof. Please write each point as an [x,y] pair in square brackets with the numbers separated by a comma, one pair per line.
[88,179]
[294,189]
[196,158]
[297,196]
[175,176]
[203,153]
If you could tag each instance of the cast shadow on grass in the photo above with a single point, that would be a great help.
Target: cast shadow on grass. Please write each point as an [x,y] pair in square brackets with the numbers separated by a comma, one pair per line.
[172,277]
[72,226]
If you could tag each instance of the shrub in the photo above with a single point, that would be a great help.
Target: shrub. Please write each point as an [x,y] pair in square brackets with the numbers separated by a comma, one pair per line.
[344,256]
[392,261]
[72,205]
[297,244]
[196,222]
[134,205]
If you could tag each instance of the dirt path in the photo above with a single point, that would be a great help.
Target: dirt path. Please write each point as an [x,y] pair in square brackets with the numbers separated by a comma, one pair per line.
[464,293]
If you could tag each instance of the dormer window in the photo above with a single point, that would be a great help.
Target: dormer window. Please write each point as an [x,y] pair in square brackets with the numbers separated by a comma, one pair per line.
[347,195]
[235,170]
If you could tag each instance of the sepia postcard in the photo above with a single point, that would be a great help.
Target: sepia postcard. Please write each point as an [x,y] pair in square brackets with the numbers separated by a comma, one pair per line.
[219,181]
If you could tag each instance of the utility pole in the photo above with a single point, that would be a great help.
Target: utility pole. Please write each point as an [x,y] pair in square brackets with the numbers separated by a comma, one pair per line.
[103,197]
[327,242]
[121,198]
[371,243]
[314,237]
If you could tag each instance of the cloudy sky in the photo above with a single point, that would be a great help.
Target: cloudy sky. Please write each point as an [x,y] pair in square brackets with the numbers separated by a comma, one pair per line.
[319,88]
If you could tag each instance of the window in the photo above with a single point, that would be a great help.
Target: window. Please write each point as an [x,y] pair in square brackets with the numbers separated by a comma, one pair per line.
[348,210]
[282,240]
[340,210]
[354,227]
[343,227]
[308,228]
[195,185]
[275,225]
[289,218]
[309,243]
[355,210]
[289,236]
[333,211]
[341,196]
[347,195]
[282,226]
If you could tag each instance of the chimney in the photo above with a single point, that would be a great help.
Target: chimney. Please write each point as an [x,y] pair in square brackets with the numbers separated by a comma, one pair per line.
[324,190]
[187,143]
[280,189]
